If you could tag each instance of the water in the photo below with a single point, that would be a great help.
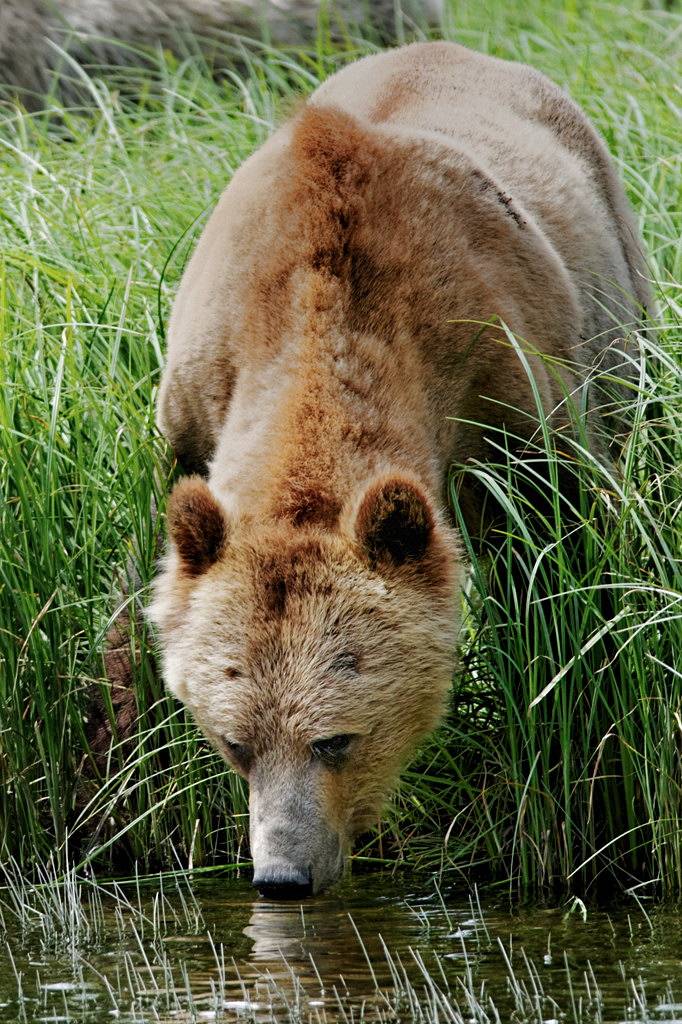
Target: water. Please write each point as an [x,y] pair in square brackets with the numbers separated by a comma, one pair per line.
[374,950]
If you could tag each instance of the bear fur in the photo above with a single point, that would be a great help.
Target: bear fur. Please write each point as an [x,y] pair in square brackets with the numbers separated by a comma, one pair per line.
[335,346]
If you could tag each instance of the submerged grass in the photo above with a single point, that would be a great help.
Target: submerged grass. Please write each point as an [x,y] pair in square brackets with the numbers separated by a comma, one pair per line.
[172,949]
[560,762]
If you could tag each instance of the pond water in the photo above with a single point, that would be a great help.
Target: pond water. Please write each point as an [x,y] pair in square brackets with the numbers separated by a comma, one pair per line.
[378,948]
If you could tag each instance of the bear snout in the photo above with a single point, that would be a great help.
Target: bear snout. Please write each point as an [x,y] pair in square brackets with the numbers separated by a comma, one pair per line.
[284,882]
[295,851]
[295,865]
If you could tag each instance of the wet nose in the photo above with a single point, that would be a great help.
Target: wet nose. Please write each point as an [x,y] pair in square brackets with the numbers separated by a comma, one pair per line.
[284,884]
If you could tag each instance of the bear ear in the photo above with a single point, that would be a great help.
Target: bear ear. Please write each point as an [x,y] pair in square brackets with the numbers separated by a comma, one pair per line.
[394,523]
[197,526]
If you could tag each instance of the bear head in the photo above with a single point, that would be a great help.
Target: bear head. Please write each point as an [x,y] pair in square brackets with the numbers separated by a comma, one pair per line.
[313,660]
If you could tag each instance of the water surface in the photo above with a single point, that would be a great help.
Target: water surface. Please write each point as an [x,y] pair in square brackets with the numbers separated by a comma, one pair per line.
[376,949]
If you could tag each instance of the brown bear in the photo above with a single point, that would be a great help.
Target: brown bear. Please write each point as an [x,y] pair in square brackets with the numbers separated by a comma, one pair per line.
[338,341]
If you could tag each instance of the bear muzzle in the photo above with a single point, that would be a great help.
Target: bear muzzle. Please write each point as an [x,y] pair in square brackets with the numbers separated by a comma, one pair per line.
[295,852]
[283,882]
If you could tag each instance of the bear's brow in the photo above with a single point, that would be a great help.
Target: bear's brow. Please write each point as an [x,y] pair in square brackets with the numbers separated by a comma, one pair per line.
[293,573]
[347,661]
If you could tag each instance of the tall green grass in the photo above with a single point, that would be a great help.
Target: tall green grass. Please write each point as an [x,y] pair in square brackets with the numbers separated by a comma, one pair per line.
[560,761]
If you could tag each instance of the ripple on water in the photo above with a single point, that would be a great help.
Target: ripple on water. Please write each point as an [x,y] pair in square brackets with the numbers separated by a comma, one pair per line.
[210,951]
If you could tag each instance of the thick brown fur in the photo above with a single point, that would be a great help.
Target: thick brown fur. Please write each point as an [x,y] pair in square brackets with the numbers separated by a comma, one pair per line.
[196,526]
[336,345]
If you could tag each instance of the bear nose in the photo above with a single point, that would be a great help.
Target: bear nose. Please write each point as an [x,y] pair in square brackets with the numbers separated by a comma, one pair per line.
[284,884]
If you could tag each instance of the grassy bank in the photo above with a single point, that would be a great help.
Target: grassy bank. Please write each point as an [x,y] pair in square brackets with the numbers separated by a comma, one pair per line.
[560,760]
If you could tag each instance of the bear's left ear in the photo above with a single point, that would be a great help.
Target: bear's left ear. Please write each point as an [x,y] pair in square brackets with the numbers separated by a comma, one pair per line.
[197,526]
[394,523]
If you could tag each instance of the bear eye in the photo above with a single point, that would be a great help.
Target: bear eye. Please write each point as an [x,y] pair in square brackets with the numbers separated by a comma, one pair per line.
[333,750]
[238,752]
[347,661]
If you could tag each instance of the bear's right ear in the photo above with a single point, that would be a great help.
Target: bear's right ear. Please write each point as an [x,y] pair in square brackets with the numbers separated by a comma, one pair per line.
[394,522]
[197,526]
